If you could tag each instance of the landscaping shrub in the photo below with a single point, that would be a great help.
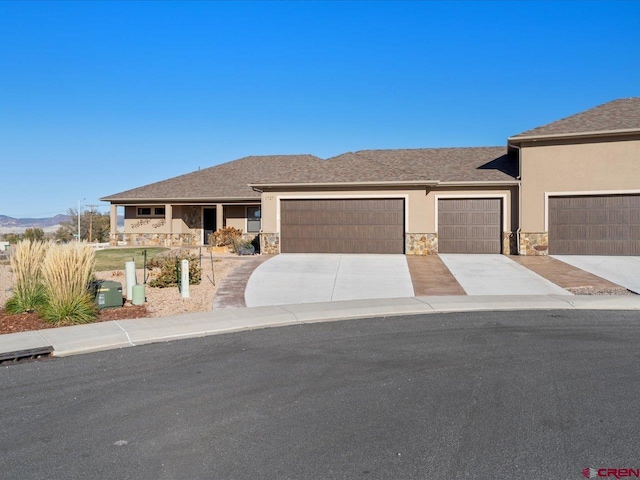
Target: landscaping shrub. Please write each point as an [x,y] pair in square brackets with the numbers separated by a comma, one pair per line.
[67,270]
[225,237]
[26,262]
[166,269]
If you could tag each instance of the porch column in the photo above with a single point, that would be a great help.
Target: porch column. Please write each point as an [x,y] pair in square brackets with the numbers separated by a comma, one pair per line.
[219,216]
[113,225]
[168,220]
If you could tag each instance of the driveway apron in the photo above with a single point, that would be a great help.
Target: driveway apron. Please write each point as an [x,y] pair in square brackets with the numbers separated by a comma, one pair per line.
[497,275]
[624,271]
[308,278]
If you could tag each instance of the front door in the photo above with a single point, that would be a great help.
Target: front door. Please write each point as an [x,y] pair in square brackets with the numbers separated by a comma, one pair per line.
[209,223]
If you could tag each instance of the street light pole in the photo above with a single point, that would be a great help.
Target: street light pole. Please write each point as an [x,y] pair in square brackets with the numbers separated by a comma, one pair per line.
[79,218]
[91,207]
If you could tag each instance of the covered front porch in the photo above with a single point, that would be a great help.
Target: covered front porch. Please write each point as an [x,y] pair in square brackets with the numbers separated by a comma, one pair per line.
[181,224]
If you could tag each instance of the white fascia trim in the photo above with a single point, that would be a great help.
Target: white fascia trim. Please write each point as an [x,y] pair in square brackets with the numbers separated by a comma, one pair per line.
[593,133]
[405,197]
[502,196]
[174,201]
[500,183]
[584,193]
[410,183]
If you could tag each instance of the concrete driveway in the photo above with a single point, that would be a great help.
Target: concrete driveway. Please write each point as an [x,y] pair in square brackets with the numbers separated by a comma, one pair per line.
[624,271]
[308,278]
[497,275]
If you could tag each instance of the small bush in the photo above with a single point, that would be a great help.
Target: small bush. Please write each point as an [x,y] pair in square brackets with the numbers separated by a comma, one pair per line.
[166,270]
[225,237]
[67,270]
[26,262]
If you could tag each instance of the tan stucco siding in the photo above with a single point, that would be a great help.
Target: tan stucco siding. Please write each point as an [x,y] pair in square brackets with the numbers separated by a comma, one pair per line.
[144,224]
[236,216]
[605,167]
[157,224]
[415,204]
[508,195]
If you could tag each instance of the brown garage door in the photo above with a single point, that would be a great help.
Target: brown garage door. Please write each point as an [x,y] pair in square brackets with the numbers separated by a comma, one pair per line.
[342,226]
[594,225]
[469,225]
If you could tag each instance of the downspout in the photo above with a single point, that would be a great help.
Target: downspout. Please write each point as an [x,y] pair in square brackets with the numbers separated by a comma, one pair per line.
[260,233]
[255,189]
[519,177]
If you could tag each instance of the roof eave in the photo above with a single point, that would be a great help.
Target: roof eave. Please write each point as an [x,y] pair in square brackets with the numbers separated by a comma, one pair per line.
[479,183]
[347,184]
[178,200]
[516,139]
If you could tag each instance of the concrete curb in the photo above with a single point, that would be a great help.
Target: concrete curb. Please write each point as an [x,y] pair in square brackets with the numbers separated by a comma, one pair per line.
[140,331]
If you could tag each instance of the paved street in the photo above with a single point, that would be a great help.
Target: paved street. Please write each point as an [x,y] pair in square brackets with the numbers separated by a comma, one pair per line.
[485,395]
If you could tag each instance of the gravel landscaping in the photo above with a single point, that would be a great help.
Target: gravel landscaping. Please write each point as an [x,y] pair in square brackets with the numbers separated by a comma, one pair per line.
[160,301]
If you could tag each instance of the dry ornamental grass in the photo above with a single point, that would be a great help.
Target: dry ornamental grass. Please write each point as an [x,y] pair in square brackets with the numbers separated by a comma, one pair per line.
[67,270]
[26,265]
[160,302]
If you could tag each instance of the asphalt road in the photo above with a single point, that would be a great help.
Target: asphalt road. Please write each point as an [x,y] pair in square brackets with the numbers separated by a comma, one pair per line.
[507,395]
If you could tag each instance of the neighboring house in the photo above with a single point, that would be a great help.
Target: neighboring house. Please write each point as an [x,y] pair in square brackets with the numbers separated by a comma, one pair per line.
[572,186]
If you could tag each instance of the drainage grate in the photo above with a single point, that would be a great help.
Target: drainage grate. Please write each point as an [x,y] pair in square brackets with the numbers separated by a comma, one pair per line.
[25,355]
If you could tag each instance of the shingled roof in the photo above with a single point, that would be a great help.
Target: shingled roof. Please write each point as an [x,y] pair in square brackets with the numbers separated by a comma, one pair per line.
[472,164]
[226,181]
[423,165]
[621,115]
[231,180]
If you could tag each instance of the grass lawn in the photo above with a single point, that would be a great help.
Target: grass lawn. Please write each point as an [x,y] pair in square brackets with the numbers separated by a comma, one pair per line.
[114,258]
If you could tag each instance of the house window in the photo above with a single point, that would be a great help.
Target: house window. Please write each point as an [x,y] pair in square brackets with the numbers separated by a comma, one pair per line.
[253,219]
[150,211]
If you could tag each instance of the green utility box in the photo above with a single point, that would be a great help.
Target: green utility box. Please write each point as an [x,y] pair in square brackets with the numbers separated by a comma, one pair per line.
[108,294]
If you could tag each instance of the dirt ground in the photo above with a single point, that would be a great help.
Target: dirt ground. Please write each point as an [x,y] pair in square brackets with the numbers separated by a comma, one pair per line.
[160,302]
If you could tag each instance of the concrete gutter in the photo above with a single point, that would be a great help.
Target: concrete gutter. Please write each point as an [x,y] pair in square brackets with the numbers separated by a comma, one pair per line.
[127,333]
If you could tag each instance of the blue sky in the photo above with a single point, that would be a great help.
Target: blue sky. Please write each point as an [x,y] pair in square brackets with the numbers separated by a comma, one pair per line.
[101,97]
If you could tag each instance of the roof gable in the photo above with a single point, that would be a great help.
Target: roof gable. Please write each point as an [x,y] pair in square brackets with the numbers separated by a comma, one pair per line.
[621,115]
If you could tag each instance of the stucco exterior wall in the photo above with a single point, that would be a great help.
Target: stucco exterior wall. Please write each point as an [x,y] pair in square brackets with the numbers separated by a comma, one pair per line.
[595,167]
[236,216]
[184,219]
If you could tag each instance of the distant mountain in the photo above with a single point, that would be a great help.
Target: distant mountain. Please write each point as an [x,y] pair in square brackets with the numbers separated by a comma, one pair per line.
[33,222]
[50,224]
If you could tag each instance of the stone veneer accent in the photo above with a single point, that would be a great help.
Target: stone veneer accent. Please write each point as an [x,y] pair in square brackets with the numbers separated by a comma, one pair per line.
[421,243]
[534,243]
[192,216]
[270,243]
[509,243]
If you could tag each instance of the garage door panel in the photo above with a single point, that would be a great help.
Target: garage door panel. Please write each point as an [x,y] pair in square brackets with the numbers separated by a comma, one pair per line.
[594,225]
[342,226]
[470,225]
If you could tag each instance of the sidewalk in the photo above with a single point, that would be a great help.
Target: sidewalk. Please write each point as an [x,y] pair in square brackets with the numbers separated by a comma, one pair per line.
[125,333]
